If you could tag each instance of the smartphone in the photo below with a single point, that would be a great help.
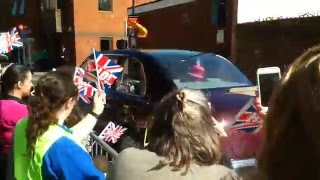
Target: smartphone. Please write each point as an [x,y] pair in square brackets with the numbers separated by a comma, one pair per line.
[267,78]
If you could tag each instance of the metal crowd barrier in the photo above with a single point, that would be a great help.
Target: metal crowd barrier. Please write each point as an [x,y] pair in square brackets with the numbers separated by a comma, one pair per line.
[100,148]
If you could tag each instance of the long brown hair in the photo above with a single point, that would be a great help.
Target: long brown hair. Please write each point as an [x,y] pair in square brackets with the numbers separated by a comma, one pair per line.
[52,91]
[182,131]
[292,147]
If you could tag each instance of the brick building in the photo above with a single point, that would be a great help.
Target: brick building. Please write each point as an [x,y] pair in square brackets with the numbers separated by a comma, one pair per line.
[274,43]
[187,24]
[77,25]
[193,25]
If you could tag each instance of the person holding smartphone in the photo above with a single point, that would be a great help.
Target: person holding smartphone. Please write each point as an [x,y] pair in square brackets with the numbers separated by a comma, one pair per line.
[291,145]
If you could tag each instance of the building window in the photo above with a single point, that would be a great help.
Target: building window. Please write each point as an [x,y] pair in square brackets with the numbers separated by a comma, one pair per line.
[105,5]
[48,4]
[106,44]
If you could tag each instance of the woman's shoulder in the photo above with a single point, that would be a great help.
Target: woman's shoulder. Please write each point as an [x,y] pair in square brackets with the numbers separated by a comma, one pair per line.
[222,172]
[133,152]
[9,105]
[13,111]
[12,102]
[137,155]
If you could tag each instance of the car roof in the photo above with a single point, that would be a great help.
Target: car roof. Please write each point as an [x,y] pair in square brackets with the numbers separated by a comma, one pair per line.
[169,51]
[157,53]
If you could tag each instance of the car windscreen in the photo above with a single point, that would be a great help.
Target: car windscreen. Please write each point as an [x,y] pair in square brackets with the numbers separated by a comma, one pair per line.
[205,71]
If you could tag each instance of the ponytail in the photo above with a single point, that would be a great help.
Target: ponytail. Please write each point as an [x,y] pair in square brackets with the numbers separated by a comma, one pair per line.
[52,91]
[40,119]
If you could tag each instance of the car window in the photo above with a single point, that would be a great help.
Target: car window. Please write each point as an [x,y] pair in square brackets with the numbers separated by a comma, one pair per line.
[206,71]
[132,79]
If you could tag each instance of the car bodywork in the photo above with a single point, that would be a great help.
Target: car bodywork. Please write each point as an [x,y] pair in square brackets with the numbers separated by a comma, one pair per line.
[152,74]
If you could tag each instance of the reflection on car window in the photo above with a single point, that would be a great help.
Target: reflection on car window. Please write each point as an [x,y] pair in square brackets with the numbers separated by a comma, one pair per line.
[206,71]
[132,79]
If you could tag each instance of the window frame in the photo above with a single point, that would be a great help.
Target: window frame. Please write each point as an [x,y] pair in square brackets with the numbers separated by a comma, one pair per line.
[101,10]
[130,58]
[110,39]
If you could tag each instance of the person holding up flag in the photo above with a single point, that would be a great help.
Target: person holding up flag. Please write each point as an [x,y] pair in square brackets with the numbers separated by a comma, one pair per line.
[101,70]
[44,148]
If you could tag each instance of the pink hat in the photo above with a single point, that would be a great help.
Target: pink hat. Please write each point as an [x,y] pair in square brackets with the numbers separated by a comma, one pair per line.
[197,71]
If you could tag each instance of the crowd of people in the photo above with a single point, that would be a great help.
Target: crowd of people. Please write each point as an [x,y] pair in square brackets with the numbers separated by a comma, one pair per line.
[41,134]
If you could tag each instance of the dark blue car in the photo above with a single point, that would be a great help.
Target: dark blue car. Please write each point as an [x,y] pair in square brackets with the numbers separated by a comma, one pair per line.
[150,74]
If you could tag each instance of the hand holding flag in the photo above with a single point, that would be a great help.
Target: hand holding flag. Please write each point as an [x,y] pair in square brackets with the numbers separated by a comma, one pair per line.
[99,100]
[248,119]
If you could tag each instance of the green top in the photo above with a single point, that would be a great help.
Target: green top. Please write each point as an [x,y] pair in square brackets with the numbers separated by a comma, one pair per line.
[26,167]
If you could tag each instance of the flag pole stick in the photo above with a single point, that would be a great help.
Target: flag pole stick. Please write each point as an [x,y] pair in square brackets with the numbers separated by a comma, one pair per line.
[74,73]
[145,143]
[95,61]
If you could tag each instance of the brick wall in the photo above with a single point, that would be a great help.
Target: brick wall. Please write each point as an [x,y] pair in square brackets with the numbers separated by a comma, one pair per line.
[275,43]
[91,24]
[83,25]
[186,26]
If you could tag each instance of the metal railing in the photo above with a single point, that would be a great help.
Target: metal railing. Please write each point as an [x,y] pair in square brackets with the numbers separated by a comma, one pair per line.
[100,148]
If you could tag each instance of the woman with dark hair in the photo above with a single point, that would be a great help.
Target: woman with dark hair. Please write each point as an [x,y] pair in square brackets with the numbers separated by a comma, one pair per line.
[44,148]
[183,143]
[291,147]
[16,83]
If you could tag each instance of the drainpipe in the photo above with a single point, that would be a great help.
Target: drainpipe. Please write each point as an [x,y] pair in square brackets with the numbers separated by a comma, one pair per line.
[133,6]
[129,32]
[234,22]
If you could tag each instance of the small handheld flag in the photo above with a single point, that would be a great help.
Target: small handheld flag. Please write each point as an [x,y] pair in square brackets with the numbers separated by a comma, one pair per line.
[247,120]
[112,132]
[86,90]
[101,70]
[9,41]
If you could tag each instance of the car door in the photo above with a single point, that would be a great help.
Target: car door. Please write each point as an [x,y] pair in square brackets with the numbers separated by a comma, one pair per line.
[127,103]
[129,91]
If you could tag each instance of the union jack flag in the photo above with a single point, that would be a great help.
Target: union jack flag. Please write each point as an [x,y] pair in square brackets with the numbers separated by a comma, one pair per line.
[105,63]
[15,38]
[92,77]
[9,41]
[4,43]
[78,76]
[247,120]
[108,71]
[85,99]
[112,132]
[106,76]
[86,89]
[90,65]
